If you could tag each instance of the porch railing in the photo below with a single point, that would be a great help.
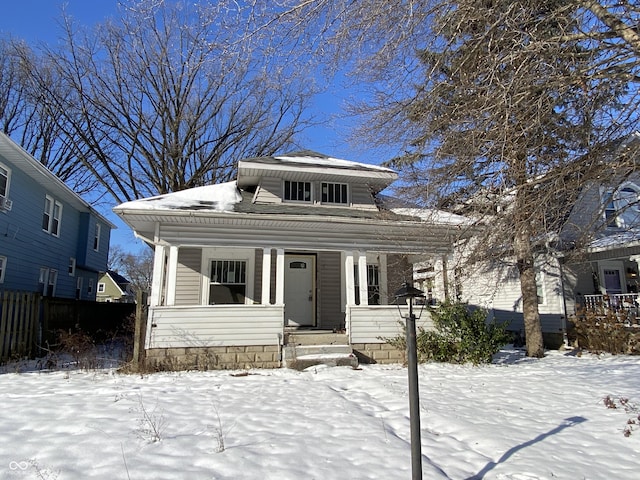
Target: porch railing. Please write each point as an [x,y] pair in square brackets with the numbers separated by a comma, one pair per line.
[624,305]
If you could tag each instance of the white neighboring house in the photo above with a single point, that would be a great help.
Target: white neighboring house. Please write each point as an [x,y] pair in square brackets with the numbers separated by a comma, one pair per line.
[603,275]
[299,243]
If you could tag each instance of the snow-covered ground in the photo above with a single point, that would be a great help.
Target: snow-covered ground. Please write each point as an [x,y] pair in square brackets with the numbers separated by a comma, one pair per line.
[516,419]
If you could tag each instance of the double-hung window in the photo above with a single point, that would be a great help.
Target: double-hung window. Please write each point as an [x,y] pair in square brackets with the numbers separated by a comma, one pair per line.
[334,193]
[227,282]
[297,191]
[72,267]
[5,174]
[48,280]
[96,237]
[52,216]
[3,268]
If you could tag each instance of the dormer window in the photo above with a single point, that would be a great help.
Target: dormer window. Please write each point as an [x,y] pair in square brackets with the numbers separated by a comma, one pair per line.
[297,191]
[334,193]
[622,207]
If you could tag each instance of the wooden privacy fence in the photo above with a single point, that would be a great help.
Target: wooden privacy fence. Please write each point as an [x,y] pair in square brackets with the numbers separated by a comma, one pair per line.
[19,321]
[29,321]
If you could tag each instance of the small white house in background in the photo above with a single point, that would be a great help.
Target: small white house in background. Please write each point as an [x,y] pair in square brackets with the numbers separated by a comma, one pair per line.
[299,249]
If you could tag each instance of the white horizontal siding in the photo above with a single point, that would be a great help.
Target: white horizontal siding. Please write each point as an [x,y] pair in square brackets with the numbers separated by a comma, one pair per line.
[215,325]
[375,323]
[270,190]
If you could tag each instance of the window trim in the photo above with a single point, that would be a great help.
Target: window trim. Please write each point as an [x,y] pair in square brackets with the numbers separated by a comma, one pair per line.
[8,180]
[48,281]
[96,237]
[214,253]
[72,267]
[52,214]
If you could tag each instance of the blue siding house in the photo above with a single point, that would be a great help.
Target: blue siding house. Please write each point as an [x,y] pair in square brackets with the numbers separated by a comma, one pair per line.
[51,240]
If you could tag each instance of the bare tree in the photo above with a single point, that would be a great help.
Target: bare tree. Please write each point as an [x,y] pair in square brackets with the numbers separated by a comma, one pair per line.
[506,108]
[137,267]
[25,115]
[171,95]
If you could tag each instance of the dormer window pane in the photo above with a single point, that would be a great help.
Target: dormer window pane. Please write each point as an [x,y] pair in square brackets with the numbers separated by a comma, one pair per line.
[334,193]
[297,191]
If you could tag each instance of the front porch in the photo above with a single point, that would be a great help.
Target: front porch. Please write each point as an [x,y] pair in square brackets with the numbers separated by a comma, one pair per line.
[254,336]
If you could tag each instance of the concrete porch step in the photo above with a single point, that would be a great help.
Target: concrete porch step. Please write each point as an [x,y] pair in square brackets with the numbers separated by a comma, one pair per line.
[300,357]
[312,337]
[301,350]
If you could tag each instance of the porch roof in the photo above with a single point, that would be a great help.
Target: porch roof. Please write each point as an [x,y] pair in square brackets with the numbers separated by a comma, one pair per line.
[241,223]
[293,232]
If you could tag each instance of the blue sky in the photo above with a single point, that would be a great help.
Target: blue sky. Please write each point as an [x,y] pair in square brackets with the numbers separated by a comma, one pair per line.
[36,21]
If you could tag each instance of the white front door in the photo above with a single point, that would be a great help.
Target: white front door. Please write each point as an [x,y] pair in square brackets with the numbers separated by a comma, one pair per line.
[299,290]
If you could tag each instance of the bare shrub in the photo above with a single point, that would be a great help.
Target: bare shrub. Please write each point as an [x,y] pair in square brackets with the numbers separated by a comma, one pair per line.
[80,346]
[152,422]
[600,333]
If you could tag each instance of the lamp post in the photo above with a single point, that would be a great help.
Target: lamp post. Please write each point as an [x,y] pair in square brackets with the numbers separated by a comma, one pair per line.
[410,293]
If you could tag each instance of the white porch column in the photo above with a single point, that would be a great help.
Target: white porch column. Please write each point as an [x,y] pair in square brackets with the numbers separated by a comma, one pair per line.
[363,283]
[157,282]
[172,275]
[280,276]
[383,279]
[636,258]
[266,276]
[349,278]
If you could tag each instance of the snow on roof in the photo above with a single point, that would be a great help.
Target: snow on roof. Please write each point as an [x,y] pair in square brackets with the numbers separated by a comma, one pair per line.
[220,197]
[619,239]
[436,216]
[318,159]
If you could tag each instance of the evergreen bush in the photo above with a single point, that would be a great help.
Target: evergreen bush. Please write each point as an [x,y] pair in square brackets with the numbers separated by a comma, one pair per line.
[461,335]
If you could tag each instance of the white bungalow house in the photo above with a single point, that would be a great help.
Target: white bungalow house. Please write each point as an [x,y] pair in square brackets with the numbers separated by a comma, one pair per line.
[299,247]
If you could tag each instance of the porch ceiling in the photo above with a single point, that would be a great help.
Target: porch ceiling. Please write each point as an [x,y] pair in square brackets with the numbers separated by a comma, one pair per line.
[292,232]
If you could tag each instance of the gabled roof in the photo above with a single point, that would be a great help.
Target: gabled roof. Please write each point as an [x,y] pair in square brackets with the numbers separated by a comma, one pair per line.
[117,278]
[44,177]
[308,165]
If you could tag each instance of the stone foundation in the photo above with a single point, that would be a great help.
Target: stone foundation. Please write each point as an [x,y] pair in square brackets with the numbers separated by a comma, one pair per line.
[378,353]
[212,358]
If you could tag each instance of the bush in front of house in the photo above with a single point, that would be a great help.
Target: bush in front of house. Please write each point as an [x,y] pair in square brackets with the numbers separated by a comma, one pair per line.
[461,335]
[608,332]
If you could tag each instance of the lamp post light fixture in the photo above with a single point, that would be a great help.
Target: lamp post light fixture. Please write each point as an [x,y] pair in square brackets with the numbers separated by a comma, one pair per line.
[408,292]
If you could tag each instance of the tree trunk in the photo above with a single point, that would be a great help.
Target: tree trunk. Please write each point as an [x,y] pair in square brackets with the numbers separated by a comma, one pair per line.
[532,327]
